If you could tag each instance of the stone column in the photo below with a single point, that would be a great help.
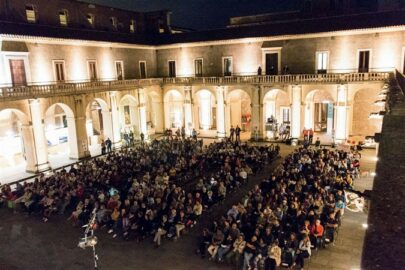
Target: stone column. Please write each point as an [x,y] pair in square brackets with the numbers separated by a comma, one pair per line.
[296,94]
[115,118]
[80,132]
[257,111]
[221,130]
[39,142]
[142,113]
[341,113]
[188,109]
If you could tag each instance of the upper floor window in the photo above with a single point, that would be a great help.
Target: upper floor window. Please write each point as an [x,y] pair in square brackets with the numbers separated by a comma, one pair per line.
[92,69]
[172,68]
[142,69]
[198,67]
[59,69]
[161,27]
[227,66]
[119,70]
[364,61]
[31,12]
[63,17]
[114,23]
[90,19]
[321,62]
[132,26]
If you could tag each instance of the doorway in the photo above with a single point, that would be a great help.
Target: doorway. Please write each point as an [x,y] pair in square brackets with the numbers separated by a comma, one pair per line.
[17,70]
[271,63]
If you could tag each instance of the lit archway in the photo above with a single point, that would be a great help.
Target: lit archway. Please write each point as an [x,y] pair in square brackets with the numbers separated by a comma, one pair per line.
[98,124]
[154,113]
[239,112]
[276,109]
[15,143]
[174,112]
[204,110]
[129,115]
[364,103]
[60,130]
[319,111]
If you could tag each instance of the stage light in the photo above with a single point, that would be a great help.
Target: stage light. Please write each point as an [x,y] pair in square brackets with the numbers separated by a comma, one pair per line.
[364,225]
[90,241]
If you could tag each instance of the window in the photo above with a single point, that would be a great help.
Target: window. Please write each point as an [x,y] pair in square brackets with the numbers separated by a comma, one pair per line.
[132,26]
[364,60]
[59,70]
[172,68]
[198,67]
[114,23]
[286,114]
[90,19]
[119,70]
[227,66]
[17,70]
[63,17]
[92,68]
[321,62]
[142,69]
[31,13]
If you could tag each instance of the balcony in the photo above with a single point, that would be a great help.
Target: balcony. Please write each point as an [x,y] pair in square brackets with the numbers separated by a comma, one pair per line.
[77,88]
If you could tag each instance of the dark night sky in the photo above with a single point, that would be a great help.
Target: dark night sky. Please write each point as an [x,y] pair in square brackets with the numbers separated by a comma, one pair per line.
[202,14]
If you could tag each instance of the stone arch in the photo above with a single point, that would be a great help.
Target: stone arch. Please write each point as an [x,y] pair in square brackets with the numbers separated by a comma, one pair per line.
[128,114]
[204,110]
[16,148]
[60,123]
[238,109]
[276,105]
[319,111]
[99,125]
[154,112]
[174,109]
[363,105]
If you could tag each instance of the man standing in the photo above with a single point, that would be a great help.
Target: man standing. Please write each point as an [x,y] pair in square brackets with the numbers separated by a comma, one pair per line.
[183,133]
[232,133]
[109,145]
[237,132]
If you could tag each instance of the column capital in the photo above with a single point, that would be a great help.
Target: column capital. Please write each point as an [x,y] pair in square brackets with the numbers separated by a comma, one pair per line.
[33,101]
[187,88]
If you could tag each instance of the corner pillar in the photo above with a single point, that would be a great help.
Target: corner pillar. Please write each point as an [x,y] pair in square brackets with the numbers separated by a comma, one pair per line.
[296,96]
[221,131]
[188,109]
[38,142]
[341,114]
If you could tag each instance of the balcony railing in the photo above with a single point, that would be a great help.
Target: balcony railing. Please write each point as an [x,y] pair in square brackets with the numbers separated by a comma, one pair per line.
[74,88]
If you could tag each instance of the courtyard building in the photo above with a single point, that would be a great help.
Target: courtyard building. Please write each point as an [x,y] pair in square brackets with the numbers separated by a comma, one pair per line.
[75,74]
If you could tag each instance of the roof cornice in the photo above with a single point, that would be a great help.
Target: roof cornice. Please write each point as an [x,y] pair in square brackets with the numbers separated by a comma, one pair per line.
[91,43]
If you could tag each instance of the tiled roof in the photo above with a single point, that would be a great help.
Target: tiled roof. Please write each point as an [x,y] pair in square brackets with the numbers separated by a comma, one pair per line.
[305,26]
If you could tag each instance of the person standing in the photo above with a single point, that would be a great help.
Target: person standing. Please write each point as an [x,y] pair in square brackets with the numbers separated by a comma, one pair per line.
[237,132]
[103,147]
[256,134]
[183,133]
[109,145]
[231,133]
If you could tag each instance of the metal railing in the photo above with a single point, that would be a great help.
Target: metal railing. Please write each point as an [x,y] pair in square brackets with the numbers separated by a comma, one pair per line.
[74,88]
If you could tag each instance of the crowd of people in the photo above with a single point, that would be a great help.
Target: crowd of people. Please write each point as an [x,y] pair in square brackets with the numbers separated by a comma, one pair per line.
[281,221]
[156,189]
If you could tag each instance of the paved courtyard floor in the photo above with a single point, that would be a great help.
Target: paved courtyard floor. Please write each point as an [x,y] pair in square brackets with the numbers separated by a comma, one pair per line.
[27,243]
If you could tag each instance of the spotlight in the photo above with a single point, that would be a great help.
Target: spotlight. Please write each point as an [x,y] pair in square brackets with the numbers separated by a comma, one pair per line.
[90,241]
[364,225]
[373,174]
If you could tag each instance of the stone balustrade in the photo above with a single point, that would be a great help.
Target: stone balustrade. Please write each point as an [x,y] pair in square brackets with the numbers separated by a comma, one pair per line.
[75,88]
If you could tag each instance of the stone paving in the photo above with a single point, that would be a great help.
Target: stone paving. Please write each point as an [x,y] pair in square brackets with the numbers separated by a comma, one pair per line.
[27,243]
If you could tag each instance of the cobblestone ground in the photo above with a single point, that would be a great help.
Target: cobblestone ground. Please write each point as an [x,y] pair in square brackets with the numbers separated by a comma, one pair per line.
[27,243]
